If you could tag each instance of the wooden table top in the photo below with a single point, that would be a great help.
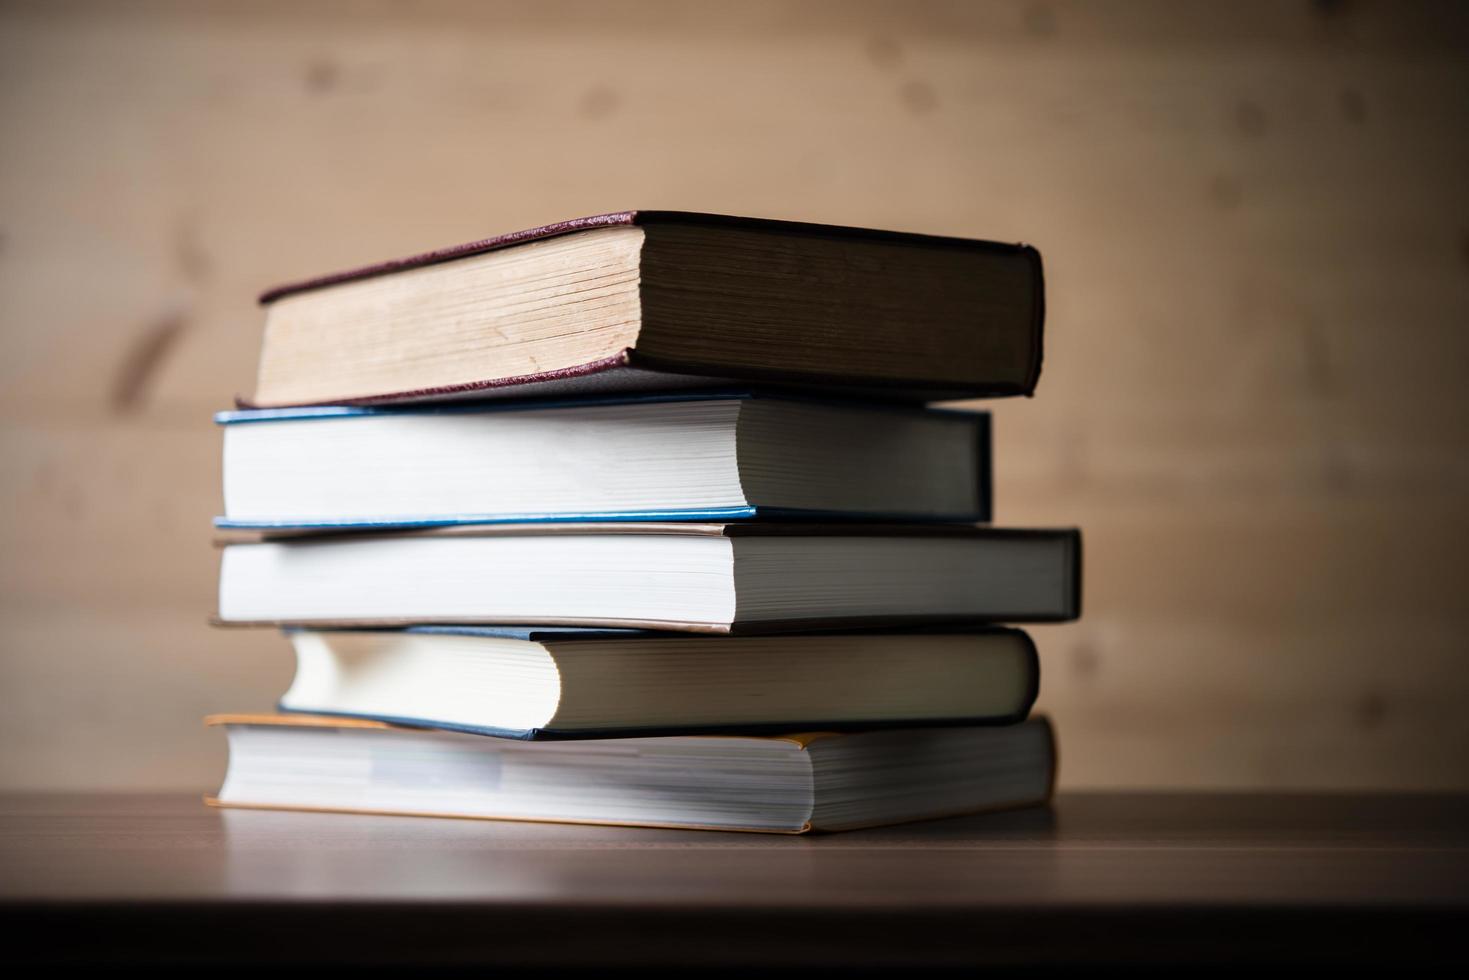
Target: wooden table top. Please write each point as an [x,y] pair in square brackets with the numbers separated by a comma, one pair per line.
[1138,878]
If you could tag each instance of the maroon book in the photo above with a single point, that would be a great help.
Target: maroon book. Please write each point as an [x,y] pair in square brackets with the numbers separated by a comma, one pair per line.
[643,301]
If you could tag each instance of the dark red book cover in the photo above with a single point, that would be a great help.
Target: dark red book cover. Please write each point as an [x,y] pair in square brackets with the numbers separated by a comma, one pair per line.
[631,371]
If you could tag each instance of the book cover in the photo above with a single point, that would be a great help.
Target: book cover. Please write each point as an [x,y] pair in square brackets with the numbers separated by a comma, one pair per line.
[634,370]
[980,514]
[538,634]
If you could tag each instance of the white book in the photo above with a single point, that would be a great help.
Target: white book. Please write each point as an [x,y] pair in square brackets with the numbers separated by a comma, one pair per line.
[561,683]
[781,784]
[701,577]
[689,457]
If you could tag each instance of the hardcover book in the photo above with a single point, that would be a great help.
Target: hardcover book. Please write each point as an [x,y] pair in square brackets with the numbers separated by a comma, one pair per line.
[568,683]
[655,458]
[782,784]
[710,577]
[657,300]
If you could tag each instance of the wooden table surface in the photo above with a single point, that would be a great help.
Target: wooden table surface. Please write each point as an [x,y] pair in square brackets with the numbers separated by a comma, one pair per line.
[1124,878]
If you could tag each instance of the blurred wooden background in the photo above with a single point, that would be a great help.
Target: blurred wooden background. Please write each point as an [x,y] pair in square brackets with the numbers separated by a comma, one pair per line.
[1255,218]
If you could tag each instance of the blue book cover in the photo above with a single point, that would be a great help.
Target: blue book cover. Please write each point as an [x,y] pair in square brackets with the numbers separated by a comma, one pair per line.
[981,513]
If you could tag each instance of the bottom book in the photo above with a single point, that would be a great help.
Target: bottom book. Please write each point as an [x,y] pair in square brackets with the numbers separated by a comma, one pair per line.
[783,784]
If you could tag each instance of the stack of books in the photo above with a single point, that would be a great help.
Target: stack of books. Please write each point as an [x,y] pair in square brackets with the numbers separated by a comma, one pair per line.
[643,519]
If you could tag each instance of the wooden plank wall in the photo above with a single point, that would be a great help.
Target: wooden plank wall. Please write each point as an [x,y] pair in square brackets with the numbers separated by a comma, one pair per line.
[1256,223]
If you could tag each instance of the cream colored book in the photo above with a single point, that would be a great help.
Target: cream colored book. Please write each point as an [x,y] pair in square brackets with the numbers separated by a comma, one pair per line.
[570,683]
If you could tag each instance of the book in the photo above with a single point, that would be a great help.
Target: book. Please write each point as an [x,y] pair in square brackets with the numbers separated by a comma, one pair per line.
[710,577]
[650,300]
[532,683]
[783,784]
[669,458]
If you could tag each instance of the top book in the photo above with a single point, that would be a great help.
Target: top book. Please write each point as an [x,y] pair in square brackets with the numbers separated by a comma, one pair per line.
[643,301]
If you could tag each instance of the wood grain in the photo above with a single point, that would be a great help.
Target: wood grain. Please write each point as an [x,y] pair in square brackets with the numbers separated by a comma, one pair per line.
[1144,878]
[1256,235]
